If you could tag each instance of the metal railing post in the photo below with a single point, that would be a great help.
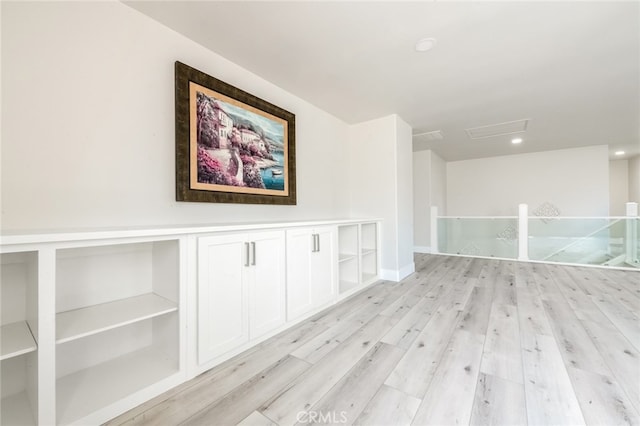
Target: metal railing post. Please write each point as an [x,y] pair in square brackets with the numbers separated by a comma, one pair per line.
[523,232]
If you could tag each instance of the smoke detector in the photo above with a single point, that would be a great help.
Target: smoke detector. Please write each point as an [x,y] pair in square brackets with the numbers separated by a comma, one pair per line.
[425,44]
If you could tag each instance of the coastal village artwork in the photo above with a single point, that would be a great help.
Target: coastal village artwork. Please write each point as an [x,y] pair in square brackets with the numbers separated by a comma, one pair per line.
[231,146]
[235,147]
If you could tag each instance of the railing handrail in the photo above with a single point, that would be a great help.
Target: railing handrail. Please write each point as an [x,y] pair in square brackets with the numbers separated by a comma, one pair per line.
[477,217]
[617,218]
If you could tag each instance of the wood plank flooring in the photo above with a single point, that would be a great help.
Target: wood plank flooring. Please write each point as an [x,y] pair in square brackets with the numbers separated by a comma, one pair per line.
[460,341]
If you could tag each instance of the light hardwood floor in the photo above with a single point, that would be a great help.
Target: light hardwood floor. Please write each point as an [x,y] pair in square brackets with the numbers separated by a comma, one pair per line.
[461,341]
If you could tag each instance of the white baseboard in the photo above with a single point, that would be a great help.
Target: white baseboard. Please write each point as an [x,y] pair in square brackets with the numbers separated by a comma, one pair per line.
[398,274]
[422,249]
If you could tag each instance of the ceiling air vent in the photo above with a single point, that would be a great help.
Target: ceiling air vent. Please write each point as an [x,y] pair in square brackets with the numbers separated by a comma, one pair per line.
[428,136]
[492,130]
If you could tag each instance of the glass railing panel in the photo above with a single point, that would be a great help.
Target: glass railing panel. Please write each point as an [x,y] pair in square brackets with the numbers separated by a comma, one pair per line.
[595,241]
[478,236]
[633,250]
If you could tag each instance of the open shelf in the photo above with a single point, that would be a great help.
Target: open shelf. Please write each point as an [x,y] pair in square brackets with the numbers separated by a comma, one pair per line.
[16,340]
[343,257]
[16,410]
[366,252]
[86,391]
[348,239]
[117,324]
[369,237]
[369,267]
[348,274]
[84,322]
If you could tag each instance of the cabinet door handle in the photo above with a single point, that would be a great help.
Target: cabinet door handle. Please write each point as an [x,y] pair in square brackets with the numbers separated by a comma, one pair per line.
[318,240]
[246,252]
[253,251]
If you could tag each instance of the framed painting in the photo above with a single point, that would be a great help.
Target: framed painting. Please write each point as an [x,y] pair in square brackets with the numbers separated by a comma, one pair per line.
[231,147]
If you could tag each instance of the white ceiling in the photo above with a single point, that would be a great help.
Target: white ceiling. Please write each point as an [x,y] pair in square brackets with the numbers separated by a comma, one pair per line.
[572,68]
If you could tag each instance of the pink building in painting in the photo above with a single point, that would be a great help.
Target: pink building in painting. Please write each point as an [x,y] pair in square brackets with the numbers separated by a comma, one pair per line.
[225,126]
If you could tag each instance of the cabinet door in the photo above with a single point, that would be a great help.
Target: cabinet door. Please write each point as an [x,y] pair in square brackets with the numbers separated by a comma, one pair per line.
[267,283]
[323,266]
[222,295]
[299,248]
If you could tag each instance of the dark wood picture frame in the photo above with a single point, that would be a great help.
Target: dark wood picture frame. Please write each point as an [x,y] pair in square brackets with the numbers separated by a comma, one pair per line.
[226,162]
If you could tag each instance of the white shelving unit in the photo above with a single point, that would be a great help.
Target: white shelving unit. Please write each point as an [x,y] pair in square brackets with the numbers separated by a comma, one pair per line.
[348,259]
[117,323]
[18,346]
[358,257]
[369,252]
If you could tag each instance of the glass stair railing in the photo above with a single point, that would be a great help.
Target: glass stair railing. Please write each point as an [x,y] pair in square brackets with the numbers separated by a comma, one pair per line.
[604,241]
[479,236]
[587,241]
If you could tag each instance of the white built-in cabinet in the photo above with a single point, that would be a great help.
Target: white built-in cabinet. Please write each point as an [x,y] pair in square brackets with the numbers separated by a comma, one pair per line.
[95,323]
[311,269]
[241,290]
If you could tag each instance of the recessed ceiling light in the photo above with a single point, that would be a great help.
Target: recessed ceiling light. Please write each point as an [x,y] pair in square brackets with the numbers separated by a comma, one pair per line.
[516,140]
[619,152]
[425,44]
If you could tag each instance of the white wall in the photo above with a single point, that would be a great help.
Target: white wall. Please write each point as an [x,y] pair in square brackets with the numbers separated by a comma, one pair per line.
[88,124]
[574,180]
[438,188]
[372,148]
[618,187]
[439,183]
[405,198]
[634,179]
[421,200]
[430,181]
[382,189]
